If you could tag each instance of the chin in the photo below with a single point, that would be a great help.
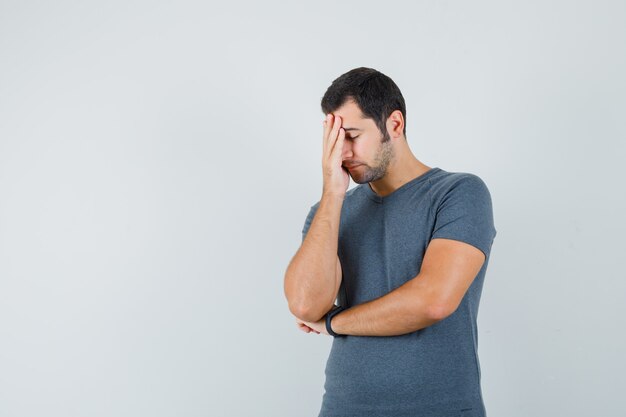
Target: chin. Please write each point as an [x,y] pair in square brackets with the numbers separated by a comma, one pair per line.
[359,180]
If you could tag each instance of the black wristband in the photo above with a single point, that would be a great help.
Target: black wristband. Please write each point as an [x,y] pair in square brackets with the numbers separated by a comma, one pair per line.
[329,316]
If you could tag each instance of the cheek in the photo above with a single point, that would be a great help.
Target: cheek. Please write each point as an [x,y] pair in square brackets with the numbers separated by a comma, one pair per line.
[364,149]
[360,146]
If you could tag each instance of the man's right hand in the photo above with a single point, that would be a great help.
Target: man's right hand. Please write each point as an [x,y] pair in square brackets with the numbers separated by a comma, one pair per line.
[336,177]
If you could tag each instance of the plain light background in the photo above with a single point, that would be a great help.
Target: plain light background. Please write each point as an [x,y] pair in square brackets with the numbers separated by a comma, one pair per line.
[158,159]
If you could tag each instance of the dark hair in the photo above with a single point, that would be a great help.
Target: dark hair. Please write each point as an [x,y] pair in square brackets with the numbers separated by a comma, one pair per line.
[376,95]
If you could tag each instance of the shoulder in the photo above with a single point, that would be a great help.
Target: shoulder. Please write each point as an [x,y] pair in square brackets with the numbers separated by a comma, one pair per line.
[463,211]
[458,183]
[447,179]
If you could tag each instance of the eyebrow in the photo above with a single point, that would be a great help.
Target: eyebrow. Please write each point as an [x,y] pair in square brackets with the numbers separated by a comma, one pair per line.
[347,129]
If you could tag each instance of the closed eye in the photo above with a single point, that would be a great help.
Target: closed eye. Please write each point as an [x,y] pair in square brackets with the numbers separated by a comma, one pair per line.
[353,137]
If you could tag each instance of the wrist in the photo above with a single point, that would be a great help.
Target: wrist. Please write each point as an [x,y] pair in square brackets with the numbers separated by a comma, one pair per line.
[332,197]
[333,194]
[329,317]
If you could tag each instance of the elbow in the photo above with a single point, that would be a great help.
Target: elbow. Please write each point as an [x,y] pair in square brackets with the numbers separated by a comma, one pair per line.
[305,313]
[303,305]
[439,311]
[300,308]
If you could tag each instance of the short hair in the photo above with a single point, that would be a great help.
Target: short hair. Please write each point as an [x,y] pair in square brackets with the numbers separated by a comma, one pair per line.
[375,93]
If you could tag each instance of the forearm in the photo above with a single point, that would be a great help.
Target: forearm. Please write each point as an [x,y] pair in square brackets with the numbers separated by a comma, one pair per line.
[311,277]
[406,309]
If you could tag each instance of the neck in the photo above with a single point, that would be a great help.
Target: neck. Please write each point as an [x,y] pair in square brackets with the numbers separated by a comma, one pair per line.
[402,169]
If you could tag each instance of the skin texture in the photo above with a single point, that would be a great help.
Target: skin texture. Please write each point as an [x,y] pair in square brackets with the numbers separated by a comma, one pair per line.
[353,145]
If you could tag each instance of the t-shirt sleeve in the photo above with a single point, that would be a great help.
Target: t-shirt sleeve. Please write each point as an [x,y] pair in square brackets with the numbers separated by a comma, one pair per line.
[308,220]
[465,213]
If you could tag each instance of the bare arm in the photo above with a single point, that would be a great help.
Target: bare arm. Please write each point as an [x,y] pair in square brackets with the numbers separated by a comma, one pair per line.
[448,270]
[313,276]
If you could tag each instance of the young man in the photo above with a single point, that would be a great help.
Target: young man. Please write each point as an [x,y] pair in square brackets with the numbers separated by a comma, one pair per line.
[404,254]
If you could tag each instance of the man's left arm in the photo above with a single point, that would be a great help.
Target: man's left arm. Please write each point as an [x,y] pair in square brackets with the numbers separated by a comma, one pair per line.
[448,269]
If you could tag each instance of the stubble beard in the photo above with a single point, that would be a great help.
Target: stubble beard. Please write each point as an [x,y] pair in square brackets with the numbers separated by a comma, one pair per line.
[383,158]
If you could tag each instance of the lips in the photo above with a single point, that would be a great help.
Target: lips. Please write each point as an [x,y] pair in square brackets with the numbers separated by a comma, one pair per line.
[352,166]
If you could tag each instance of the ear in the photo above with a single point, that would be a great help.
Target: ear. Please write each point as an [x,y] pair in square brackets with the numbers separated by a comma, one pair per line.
[395,124]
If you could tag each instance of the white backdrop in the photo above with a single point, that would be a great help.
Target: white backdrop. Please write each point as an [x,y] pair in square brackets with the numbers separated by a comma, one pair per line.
[158,159]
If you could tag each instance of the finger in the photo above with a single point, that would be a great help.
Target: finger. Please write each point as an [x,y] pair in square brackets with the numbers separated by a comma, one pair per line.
[327,127]
[335,153]
[333,135]
[309,328]
[327,124]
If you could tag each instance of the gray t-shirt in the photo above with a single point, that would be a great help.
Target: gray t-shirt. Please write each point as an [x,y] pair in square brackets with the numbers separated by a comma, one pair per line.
[434,371]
